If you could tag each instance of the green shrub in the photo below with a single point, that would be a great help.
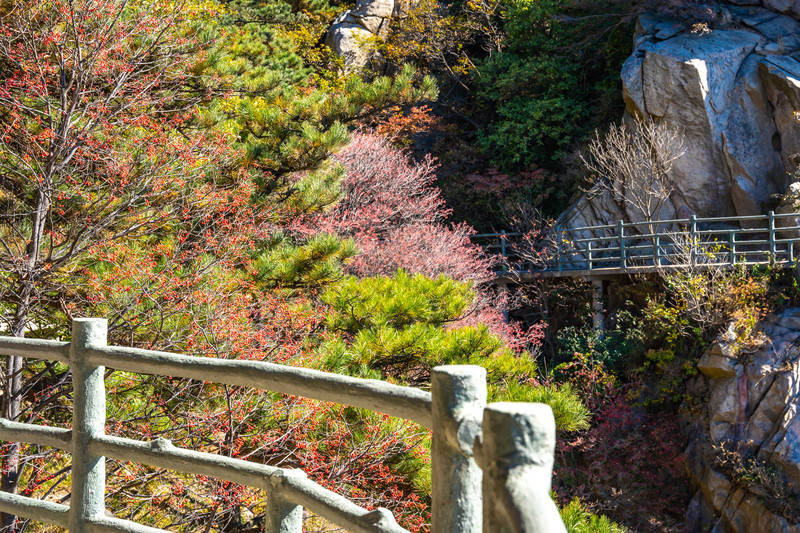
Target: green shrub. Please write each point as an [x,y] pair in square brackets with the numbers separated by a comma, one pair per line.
[568,408]
[556,78]
[399,327]
[539,112]
[577,519]
[666,325]
[314,263]
[613,349]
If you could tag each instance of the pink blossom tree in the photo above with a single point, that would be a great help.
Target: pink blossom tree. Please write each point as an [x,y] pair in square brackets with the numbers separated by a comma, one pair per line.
[390,206]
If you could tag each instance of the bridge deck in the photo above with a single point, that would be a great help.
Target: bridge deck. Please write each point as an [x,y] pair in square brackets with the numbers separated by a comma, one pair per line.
[510,276]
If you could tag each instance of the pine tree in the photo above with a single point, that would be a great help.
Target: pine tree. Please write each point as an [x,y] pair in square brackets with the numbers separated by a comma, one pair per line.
[285,114]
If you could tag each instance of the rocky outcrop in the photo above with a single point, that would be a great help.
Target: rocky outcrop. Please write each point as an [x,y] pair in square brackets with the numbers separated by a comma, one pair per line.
[791,7]
[354,33]
[745,454]
[733,88]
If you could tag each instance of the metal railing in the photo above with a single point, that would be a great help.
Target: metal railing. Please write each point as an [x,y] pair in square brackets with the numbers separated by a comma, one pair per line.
[640,246]
[497,479]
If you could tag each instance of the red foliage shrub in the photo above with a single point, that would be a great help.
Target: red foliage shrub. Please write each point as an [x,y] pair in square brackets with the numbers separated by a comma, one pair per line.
[495,182]
[401,127]
[622,464]
[427,248]
[382,189]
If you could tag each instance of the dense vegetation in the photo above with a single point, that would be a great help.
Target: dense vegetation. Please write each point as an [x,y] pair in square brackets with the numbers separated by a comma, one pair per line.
[204,174]
[169,166]
[526,82]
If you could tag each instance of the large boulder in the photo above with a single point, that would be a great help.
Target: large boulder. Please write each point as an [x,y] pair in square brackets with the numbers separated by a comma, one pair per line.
[744,456]
[353,42]
[734,91]
[354,33]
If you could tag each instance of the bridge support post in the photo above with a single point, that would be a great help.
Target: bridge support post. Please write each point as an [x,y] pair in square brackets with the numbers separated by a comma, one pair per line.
[502,290]
[458,393]
[598,307]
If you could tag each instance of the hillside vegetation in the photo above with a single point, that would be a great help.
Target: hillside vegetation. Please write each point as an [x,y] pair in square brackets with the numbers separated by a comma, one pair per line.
[206,175]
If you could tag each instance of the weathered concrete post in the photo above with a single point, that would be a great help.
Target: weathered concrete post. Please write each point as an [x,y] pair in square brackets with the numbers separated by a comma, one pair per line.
[459,396]
[89,418]
[516,454]
[283,516]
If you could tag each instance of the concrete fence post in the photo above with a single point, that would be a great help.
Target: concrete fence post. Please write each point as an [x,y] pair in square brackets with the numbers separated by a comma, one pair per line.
[89,418]
[516,454]
[459,395]
[283,516]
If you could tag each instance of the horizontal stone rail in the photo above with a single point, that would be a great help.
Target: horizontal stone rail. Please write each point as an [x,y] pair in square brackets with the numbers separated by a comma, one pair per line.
[35,349]
[402,402]
[510,495]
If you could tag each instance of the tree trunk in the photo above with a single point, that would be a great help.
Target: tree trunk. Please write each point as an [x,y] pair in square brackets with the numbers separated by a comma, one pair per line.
[12,407]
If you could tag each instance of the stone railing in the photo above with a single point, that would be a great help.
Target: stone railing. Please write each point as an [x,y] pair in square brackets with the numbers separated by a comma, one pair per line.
[492,464]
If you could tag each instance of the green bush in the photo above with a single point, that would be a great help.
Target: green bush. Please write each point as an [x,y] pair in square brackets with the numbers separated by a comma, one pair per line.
[568,408]
[577,519]
[314,263]
[538,107]
[400,327]
[555,80]
[613,349]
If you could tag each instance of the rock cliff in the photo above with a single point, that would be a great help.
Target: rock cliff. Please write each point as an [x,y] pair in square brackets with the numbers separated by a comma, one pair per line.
[745,452]
[733,87]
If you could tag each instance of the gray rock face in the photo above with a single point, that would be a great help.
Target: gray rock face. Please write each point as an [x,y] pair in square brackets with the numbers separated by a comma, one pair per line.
[353,34]
[734,92]
[791,7]
[781,78]
[753,408]
[353,42]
